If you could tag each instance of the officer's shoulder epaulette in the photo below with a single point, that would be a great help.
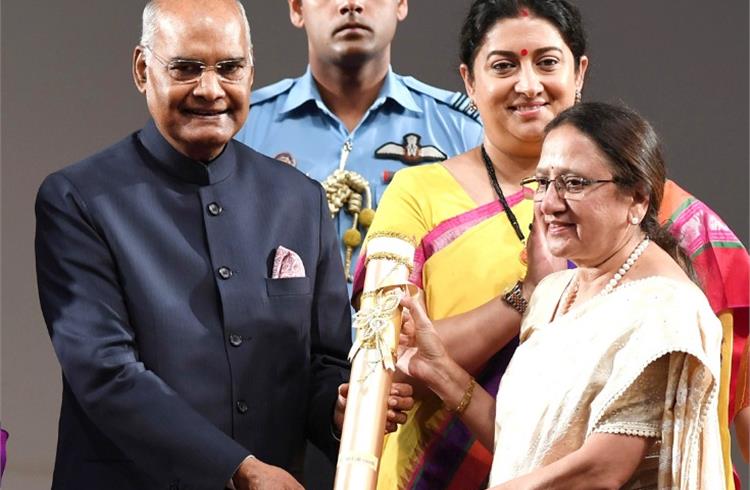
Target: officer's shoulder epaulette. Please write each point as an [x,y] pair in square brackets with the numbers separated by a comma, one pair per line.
[455,100]
[270,91]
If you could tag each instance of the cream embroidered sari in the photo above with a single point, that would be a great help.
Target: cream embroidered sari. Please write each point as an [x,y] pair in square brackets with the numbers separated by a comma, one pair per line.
[570,373]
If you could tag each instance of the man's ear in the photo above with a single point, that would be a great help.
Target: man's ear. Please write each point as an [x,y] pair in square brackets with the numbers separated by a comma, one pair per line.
[251,77]
[139,68]
[403,9]
[295,13]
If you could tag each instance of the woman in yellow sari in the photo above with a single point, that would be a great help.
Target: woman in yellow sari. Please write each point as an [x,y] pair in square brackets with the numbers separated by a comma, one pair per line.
[471,221]
[462,247]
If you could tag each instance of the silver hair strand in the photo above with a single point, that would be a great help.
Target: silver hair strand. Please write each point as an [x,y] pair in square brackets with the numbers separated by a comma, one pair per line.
[150,22]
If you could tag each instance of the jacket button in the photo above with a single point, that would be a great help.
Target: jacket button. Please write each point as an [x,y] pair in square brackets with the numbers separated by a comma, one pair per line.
[215,209]
[225,272]
[241,406]
[235,340]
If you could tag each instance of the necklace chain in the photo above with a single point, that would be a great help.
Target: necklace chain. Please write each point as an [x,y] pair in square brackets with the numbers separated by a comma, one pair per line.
[496,187]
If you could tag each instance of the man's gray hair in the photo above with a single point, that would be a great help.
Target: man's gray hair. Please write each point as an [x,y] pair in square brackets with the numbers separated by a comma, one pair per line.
[150,24]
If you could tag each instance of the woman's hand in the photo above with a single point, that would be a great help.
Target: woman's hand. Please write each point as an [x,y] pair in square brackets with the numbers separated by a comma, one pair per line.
[426,359]
[540,259]
[422,354]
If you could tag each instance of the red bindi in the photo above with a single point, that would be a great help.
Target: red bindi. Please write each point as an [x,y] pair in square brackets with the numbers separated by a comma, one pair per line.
[524,52]
[524,13]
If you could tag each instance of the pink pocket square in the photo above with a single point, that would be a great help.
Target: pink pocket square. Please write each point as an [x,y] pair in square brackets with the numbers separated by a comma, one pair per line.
[287,264]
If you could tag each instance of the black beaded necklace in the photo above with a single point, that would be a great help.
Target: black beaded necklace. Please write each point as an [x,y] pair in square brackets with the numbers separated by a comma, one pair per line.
[501,196]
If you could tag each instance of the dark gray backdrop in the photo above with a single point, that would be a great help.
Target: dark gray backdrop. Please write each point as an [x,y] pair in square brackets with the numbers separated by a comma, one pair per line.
[67,92]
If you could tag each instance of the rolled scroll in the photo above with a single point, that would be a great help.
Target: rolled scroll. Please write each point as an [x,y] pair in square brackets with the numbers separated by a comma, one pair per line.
[389,260]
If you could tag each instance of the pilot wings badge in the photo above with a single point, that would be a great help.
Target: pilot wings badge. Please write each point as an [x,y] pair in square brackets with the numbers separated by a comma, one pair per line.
[410,152]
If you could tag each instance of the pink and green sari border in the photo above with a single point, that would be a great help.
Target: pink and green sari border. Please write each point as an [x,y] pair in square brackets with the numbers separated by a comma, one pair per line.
[439,238]
[453,228]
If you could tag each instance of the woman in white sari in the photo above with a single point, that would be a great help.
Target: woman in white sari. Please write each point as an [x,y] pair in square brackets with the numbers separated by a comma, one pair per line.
[615,381]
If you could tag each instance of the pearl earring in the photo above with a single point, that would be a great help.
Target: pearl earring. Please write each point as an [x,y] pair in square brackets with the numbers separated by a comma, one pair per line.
[634,220]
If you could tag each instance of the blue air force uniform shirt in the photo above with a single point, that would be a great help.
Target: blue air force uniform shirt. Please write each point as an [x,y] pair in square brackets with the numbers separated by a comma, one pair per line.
[409,123]
[180,351]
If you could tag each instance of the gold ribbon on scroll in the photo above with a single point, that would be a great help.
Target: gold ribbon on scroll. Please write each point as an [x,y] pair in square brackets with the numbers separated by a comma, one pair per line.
[373,323]
[373,357]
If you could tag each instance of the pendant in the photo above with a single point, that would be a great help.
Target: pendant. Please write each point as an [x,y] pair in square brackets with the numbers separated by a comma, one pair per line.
[523,257]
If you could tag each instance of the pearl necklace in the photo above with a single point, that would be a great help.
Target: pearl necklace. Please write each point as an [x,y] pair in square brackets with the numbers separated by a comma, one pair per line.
[612,284]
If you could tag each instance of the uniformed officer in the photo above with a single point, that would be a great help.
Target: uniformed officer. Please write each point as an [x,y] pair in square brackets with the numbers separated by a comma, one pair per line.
[350,121]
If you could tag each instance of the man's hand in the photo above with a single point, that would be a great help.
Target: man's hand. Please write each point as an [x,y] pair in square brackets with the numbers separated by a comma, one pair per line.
[254,474]
[400,401]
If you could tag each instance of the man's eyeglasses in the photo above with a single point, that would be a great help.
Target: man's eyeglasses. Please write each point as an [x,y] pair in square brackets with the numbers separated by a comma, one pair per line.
[568,187]
[186,71]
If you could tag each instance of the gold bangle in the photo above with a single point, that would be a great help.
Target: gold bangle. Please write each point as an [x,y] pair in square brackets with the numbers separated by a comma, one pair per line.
[392,234]
[392,257]
[466,399]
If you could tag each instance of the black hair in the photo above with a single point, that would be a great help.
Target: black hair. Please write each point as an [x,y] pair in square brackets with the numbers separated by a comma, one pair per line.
[484,14]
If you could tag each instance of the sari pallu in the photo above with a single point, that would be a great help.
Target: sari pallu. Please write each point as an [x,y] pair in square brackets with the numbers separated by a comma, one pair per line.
[722,265]
[466,255]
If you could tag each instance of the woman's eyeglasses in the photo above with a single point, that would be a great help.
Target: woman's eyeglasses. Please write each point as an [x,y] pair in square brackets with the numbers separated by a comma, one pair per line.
[568,187]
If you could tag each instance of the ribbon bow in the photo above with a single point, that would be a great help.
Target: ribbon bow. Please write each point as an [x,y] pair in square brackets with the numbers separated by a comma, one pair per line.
[372,324]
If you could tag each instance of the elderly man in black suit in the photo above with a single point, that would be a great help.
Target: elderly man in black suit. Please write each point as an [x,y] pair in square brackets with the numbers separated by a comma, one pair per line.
[192,287]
